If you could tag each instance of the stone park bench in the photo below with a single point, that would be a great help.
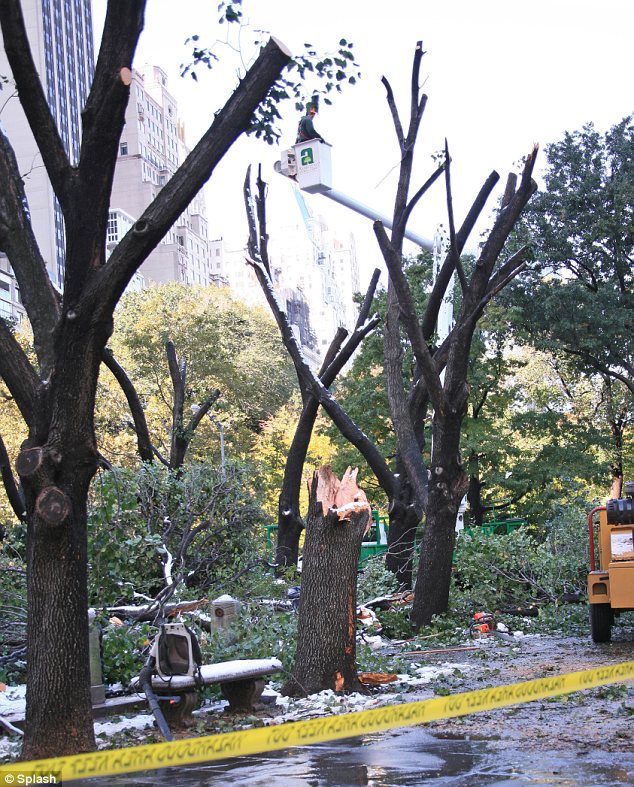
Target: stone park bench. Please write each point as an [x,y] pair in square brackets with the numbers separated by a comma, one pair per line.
[241,682]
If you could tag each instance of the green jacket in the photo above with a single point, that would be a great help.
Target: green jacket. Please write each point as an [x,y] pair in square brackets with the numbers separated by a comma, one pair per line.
[306,130]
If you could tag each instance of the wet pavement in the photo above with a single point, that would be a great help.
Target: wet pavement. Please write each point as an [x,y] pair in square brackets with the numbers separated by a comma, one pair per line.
[409,757]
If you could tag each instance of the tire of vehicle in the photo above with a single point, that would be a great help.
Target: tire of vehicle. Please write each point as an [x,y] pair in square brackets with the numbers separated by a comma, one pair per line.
[601,620]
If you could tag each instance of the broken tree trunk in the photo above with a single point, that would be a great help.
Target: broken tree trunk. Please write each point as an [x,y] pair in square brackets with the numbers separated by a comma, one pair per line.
[338,516]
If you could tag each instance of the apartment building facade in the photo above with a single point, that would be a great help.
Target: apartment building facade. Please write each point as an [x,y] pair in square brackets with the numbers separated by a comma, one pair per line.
[150,150]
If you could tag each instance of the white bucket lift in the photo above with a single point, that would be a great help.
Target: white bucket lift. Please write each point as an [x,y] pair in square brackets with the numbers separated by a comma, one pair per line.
[313,166]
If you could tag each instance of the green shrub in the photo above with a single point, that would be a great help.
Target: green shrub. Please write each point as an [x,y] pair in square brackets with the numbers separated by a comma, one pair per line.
[257,632]
[123,651]
[518,569]
[13,607]
[199,524]
[375,580]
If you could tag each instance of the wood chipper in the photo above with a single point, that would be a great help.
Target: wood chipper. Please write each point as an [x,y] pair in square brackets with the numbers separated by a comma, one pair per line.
[611,582]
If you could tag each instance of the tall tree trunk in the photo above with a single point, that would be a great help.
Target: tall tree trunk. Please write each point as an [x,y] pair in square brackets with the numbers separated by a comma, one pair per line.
[404,521]
[339,514]
[56,465]
[617,428]
[71,332]
[290,522]
[59,708]
[447,486]
[474,496]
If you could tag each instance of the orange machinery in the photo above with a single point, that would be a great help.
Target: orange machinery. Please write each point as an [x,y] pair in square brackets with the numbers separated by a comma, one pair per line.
[611,577]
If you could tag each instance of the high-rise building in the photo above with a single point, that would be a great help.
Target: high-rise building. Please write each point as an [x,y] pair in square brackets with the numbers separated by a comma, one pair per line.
[119,222]
[61,37]
[151,148]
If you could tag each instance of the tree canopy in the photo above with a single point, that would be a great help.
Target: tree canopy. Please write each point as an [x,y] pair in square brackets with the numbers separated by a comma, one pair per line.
[578,299]
[225,344]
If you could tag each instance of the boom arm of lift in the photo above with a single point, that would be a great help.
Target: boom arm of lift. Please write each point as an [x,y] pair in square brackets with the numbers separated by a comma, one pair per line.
[313,175]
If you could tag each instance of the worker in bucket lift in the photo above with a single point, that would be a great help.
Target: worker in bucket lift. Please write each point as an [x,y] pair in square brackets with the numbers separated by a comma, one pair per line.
[306,129]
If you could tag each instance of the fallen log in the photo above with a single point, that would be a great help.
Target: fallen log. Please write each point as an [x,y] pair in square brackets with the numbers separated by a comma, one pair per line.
[148,611]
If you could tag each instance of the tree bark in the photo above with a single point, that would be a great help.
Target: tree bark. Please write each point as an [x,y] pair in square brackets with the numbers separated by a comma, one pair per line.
[474,496]
[56,466]
[60,456]
[448,484]
[401,538]
[339,515]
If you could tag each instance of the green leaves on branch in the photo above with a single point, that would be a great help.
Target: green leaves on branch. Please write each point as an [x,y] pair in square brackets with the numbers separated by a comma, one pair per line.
[579,298]
[332,72]
[310,76]
[230,12]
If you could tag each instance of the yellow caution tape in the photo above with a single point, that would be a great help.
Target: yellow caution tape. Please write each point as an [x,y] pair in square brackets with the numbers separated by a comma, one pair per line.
[282,736]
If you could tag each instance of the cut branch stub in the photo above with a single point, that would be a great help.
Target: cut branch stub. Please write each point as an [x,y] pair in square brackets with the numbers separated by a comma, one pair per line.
[52,505]
[29,461]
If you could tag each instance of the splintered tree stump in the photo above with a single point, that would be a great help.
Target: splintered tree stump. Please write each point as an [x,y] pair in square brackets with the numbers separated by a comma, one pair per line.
[339,514]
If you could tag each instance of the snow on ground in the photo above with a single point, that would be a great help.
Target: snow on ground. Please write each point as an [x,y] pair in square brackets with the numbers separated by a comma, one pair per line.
[139,721]
[12,701]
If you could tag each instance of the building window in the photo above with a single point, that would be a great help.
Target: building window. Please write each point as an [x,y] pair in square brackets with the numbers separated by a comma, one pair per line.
[123,148]
[5,297]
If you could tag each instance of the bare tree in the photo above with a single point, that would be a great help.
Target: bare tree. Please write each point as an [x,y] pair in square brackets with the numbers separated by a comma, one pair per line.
[440,378]
[182,433]
[342,347]
[440,375]
[56,399]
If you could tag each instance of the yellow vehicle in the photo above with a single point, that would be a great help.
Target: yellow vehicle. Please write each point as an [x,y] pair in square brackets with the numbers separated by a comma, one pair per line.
[611,581]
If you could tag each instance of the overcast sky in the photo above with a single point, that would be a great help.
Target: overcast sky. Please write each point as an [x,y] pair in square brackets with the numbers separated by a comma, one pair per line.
[499,74]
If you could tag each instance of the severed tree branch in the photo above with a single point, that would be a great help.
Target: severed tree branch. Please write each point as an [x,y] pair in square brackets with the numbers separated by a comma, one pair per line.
[417,103]
[144,443]
[432,309]
[409,318]
[509,269]
[453,247]
[14,492]
[398,127]
[423,190]
[506,219]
